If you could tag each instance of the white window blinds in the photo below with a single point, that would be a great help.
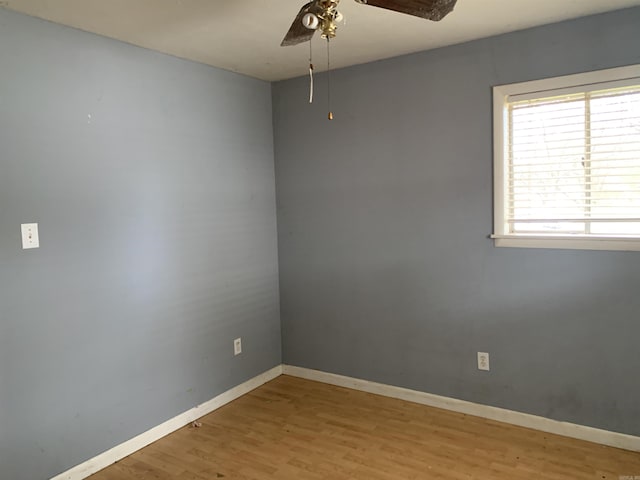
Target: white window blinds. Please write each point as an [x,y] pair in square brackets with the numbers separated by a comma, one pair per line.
[572,162]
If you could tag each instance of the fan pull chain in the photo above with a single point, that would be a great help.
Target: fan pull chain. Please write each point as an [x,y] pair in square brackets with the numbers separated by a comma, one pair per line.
[310,73]
[330,115]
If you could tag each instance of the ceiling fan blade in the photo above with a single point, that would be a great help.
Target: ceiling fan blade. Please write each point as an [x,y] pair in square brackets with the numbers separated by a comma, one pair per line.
[434,10]
[298,33]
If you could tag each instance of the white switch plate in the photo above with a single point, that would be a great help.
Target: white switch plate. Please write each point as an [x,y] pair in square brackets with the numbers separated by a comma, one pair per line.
[237,346]
[30,235]
[483,361]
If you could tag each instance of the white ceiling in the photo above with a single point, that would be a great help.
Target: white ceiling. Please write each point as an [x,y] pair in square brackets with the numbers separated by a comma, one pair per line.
[244,35]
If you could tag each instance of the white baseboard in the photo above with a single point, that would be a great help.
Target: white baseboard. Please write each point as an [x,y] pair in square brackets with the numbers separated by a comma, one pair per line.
[604,437]
[130,446]
[581,432]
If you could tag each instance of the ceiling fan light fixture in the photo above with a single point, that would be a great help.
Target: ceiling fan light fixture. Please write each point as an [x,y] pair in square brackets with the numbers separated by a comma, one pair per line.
[311,21]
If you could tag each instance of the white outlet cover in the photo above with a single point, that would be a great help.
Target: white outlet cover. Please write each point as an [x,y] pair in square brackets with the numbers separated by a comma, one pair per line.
[237,346]
[30,237]
[483,361]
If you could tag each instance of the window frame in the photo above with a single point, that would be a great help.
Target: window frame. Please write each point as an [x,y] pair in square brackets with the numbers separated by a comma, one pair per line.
[538,89]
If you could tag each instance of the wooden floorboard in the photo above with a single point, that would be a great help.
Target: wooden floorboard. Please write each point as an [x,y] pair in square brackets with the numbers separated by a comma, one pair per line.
[292,428]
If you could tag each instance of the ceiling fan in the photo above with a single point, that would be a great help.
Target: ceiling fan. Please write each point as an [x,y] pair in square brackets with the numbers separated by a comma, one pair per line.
[323,15]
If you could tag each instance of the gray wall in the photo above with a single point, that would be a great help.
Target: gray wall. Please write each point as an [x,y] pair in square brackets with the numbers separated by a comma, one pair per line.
[158,241]
[386,269]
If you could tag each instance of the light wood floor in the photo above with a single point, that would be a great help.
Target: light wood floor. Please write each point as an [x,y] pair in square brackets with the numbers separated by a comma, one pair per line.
[297,429]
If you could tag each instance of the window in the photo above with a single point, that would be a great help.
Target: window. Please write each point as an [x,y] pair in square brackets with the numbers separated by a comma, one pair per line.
[567,161]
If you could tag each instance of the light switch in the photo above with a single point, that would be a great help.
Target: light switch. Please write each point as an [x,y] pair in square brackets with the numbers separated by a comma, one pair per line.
[30,235]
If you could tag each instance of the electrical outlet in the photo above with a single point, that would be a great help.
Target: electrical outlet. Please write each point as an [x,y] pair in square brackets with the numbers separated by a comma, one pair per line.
[483,361]
[237,346]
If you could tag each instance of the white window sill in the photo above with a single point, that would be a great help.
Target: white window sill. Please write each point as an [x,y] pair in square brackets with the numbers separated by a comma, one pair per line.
[573,242]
